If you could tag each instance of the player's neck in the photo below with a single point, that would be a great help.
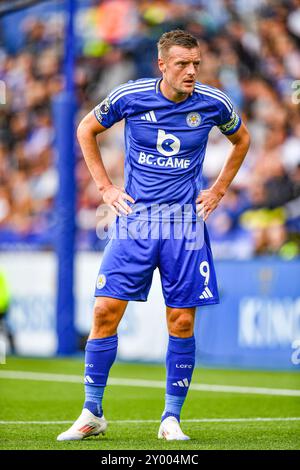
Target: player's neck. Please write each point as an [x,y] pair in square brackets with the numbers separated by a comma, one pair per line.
[171,94]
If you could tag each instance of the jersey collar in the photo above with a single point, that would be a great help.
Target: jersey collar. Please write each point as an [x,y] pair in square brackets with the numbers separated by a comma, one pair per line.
[157,86]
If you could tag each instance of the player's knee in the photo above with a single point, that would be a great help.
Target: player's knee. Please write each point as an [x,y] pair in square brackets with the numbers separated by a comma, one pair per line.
[104,320]
[182,325]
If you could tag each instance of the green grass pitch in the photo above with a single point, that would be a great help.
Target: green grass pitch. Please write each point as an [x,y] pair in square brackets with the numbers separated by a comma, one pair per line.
[48,402]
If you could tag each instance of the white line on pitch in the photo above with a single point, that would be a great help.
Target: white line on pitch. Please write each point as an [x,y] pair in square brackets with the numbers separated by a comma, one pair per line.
[20,375]
[145,421]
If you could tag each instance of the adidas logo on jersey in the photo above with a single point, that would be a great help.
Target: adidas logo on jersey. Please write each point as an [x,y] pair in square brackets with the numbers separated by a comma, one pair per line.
[181,383]
[149,117]
[206,294]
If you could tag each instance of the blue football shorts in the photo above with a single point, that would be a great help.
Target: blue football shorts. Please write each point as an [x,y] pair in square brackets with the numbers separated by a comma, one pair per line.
[181,252]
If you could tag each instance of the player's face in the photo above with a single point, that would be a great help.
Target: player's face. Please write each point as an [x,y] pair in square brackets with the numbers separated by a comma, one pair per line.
[180,68]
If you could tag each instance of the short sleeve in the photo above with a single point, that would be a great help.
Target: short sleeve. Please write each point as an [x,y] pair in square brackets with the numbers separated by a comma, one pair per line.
[229,120]
[108,113]
[114,107]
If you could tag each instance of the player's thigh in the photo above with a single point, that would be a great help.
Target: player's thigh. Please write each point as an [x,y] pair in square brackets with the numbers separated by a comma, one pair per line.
[187,269]
[180,321]
[107,314]
[128,262]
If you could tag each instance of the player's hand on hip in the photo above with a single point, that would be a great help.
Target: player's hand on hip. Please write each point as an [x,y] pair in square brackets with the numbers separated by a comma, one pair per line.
[116,198]
[206,202]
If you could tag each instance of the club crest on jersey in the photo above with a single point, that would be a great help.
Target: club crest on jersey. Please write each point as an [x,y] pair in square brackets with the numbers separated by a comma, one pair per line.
[101,281]
[193,119]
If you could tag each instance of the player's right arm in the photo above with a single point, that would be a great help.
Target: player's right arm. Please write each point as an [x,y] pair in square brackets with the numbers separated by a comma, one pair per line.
[112,195]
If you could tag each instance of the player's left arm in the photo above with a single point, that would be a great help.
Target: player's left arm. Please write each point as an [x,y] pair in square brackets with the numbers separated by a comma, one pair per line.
[209,199]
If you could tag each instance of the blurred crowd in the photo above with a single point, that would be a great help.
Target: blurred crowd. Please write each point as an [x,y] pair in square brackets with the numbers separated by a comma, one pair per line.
[250,49]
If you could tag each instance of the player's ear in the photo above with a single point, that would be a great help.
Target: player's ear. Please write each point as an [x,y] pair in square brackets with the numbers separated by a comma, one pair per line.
[161,65]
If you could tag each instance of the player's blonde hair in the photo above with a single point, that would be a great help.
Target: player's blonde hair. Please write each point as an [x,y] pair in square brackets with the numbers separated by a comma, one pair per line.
[177,37]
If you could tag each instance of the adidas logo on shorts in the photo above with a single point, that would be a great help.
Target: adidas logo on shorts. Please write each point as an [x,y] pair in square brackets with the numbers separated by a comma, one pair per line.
[206,294]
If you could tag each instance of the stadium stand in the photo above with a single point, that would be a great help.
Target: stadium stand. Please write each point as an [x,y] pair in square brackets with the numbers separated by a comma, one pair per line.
[250,50]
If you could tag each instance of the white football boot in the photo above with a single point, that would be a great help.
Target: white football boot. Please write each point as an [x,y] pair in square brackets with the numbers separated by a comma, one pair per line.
[86,425]
[170,430]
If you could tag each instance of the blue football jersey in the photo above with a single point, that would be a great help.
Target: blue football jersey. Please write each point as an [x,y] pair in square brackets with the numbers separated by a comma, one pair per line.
[165,142]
